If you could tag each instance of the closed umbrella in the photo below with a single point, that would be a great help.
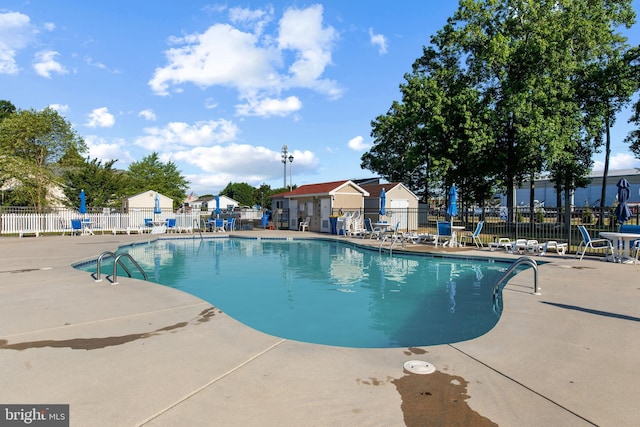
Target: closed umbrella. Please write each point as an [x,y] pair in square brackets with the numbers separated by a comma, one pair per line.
[622,210]
[83,203]
[452,209]
[217,206]
[383,202]
[156,206]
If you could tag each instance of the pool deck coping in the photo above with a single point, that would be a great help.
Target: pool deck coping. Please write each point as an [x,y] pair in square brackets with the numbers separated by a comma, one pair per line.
[137,353]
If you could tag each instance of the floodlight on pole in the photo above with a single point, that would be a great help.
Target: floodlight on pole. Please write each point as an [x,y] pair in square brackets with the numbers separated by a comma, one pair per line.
[290,171]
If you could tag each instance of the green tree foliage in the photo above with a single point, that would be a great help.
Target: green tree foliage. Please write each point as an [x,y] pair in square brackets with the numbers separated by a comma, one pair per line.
[261,195]
[6,109]
[241,192]
[496,97]
[633,139]
[634,136]
[32,143]
[152,174]
[103,185]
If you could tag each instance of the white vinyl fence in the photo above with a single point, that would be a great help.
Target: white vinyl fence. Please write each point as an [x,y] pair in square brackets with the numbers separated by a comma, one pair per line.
[106,222]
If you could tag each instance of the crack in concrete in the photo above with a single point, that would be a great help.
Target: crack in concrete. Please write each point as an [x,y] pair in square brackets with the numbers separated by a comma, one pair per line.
[103,342]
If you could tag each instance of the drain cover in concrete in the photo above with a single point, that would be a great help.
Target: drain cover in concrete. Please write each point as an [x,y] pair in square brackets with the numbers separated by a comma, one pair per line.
[419,367]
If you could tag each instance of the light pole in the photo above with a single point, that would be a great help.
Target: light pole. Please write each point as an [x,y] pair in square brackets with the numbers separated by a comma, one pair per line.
[290,171]
[285,152]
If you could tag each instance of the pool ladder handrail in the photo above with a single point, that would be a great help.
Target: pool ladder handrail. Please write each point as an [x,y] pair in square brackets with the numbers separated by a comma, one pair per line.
[198,225]
[522,260]
[116,262]
[394,238]
[103,255]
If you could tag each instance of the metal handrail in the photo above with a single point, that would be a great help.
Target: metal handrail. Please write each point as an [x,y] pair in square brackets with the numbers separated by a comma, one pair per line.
[99,262]
[197,224]
[522,260]
[133,261]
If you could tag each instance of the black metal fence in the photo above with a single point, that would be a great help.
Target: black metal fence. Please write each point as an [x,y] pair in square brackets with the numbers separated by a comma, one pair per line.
[546,225]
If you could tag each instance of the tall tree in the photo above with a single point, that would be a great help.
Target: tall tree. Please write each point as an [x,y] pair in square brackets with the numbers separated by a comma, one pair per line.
[241,192]
[152,174]
[32,143]
[605,87]
[103,185]
[497,93]
[633,139]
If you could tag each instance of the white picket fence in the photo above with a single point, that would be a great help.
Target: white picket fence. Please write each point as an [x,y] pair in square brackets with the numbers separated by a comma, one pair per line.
[60,221]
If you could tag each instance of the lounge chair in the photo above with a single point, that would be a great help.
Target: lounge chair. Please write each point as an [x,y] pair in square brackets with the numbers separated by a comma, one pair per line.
[560,248]
[426,238]
[531,246]
[411,236]
[395,236]
[502,243]
[472,237]
[595,244]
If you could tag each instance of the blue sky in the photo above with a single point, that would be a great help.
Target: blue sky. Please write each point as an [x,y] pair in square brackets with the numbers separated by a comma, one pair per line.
[219,88]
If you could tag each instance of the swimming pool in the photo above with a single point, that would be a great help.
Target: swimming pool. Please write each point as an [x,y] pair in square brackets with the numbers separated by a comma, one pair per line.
[330,292]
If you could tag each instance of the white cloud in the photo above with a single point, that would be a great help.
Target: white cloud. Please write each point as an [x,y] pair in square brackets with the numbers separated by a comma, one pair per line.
[222,55]
[100,117]
[89,60]
[301,30]
[269,107]
[358,144]
[105,151]
[49,26]
[618,162]
[148,114]
[210,104]
[15,34]
[241,162]
[177,135]
[60,108]
[252,63]
[45,64]
[256,19]
[378,40]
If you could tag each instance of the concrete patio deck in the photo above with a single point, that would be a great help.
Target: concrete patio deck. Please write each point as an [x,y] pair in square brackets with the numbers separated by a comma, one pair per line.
[138,353]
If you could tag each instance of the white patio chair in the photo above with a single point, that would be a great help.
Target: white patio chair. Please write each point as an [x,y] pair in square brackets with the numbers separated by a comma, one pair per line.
[595,244]
[473,237]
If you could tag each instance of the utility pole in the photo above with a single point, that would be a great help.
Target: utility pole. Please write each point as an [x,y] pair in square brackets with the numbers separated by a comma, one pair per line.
[285,152]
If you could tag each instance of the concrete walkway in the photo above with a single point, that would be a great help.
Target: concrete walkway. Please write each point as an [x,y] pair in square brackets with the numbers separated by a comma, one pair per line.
[144,354]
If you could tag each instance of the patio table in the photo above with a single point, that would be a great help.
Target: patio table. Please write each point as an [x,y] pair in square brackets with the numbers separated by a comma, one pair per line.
[622,242]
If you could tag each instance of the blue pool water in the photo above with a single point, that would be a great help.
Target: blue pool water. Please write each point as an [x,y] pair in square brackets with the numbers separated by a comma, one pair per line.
[330,292]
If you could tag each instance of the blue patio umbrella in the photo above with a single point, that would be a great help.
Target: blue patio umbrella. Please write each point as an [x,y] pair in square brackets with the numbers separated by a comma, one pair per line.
[622,210]
[217,205]
[83,203]
[383,202]
[452,209]
[156,206]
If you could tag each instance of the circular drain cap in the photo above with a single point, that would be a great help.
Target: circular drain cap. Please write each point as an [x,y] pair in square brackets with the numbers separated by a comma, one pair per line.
[419,367]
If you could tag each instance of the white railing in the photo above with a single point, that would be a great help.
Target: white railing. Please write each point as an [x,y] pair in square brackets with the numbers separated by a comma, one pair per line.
[60,221]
